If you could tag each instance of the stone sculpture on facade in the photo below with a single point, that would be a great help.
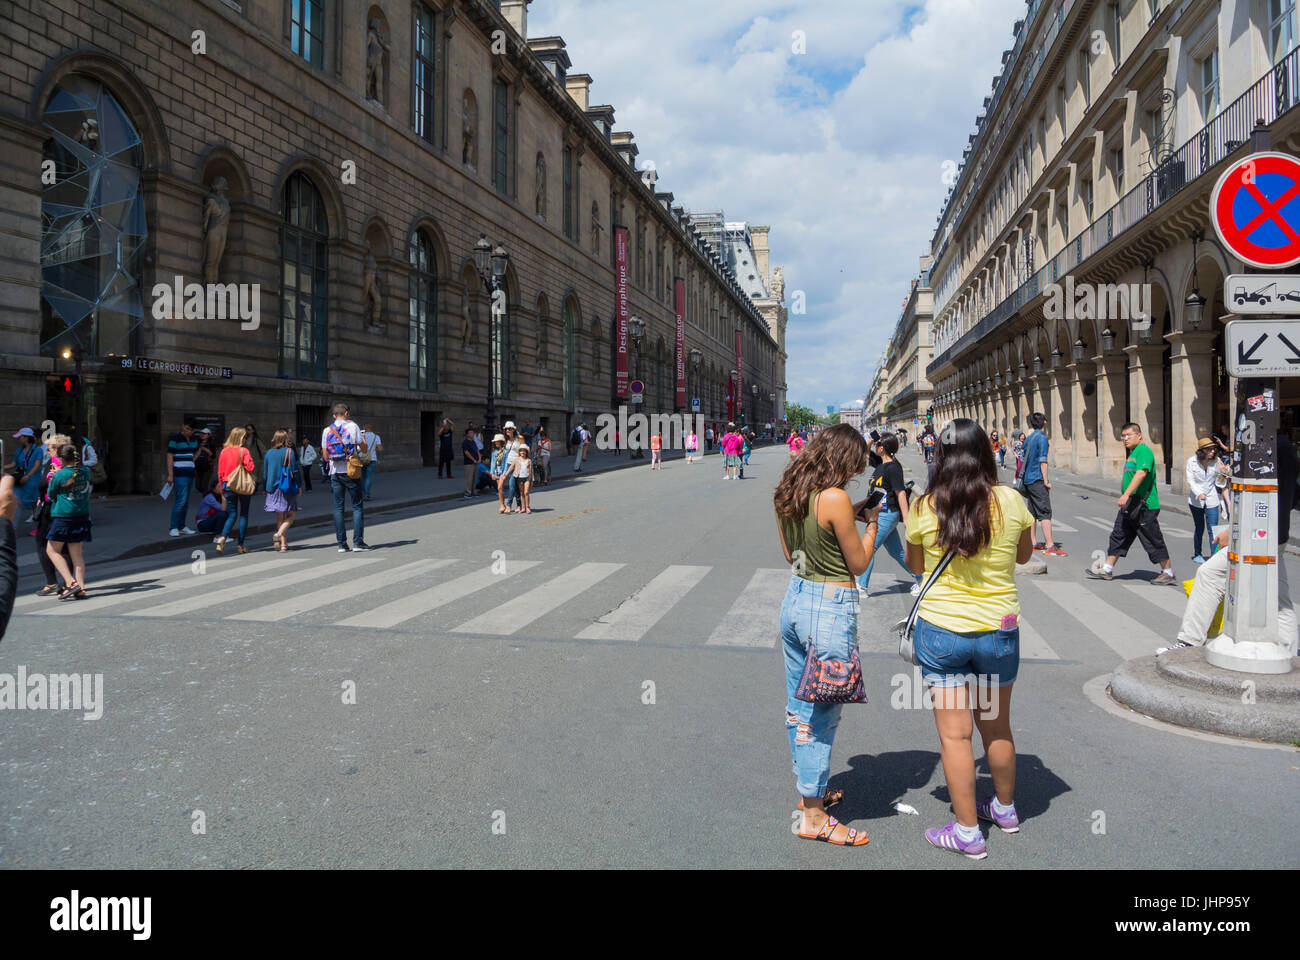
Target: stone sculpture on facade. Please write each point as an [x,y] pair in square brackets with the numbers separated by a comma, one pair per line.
[216,219]
[376,47]
[371,297]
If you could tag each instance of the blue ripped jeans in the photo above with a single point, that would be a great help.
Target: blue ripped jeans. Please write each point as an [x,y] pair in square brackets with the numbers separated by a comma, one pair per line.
[887,537]
[828,616]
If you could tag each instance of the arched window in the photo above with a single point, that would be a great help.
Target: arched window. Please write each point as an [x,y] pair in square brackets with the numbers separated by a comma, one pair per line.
[423,325]
[304,240]
[93,226]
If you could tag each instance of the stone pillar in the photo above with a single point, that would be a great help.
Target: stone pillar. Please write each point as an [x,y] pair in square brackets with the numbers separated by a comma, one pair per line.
[1060,425]
[1147,399]
[1190,384]
[1083,458]
[1112,373]
[1005,426]
[1045,403]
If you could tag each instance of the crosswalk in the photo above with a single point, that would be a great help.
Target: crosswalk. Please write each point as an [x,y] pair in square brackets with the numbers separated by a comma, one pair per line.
[626,603]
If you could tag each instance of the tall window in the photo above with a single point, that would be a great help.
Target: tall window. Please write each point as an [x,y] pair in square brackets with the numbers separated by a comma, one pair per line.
[568,193]
[93,227]
[1116,38]
[304,281]
[422,325]
[1083,77]
[570,355]
[424,74]
[307,30]
[1086,195]
[1063,218]
[500,135]
[1210,86]
[1154,7]
[1282,28]
[1117,170]
[499,317]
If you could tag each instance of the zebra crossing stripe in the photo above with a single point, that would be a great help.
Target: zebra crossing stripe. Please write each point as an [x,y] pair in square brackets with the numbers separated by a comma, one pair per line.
[1129,640]
[324,573]
[633,618]
[517,613]
[754,620]
[1032,644]
[1060,526]
[174,579]
[1099,524]
[1167,598]
[310,601]
[409,607]
[1175,532]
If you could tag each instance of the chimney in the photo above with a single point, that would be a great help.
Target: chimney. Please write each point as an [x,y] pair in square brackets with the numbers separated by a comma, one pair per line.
[550,50]
[516,14]
[622,141]
[578,86]
[759,236]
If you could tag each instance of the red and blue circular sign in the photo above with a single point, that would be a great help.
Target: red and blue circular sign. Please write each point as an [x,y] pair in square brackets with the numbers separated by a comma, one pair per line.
[1255,209]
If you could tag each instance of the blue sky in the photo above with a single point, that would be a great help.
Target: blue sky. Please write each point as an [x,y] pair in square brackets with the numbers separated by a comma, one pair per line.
[839,148]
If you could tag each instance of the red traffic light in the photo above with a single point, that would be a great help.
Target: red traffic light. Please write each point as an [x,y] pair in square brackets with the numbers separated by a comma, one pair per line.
[67,384]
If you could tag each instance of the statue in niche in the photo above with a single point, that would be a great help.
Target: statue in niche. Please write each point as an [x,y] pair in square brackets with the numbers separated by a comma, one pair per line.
[372,299]
[467,337]
[778,284]
[541,186]
[469,127]
[376,47]
[216,218]
[596,229]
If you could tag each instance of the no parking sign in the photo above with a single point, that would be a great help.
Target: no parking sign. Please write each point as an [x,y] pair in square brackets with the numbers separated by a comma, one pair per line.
[1255,210]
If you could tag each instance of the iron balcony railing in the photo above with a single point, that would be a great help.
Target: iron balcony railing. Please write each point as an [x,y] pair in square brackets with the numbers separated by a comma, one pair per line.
[1267,99]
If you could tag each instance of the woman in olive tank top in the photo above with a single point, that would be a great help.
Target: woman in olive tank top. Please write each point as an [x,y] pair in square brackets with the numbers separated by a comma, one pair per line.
[817,524]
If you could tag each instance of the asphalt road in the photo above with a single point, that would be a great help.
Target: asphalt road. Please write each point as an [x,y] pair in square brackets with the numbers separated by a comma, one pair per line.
[596,684]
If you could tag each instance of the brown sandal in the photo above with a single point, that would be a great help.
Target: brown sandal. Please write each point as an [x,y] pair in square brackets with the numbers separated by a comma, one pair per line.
[831,798]
[824,835]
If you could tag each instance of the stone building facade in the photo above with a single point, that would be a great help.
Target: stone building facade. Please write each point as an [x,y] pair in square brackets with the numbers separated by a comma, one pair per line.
[1091,170]
[345,158]
[908,389]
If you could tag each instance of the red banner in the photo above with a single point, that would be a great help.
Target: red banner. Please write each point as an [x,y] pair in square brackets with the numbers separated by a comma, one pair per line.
[740,378]
[680,297]
[620,296]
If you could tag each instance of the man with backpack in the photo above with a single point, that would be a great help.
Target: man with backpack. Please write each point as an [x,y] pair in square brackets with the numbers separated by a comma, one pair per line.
[341,445]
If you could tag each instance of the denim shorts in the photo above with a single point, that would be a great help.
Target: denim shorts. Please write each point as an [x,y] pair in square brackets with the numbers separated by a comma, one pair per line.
[949,659]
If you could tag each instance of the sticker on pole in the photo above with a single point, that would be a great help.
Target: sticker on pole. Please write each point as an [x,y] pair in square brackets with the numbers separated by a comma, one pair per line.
[1255,210]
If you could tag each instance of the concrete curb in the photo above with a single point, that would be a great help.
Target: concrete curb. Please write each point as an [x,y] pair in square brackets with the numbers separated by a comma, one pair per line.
[1180,688]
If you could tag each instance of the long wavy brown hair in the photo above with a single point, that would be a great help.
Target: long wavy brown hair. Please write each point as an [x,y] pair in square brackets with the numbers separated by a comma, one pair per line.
[831,459]
[961,493]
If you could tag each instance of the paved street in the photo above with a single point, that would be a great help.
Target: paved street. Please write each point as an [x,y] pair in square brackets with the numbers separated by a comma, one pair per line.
[596,684]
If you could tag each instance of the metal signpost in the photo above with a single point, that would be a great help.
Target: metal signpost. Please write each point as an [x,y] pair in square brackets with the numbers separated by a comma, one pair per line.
[1253,214]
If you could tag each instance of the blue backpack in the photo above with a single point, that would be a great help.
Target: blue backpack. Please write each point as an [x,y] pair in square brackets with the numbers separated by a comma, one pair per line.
[288,475]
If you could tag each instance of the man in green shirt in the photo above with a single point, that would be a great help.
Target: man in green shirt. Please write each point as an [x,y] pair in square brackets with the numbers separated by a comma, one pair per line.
[1139,511]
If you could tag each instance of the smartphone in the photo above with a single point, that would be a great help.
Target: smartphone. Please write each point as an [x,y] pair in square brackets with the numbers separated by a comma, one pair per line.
[866,506]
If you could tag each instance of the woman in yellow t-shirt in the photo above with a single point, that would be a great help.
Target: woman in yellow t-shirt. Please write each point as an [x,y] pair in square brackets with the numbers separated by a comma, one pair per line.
[968,628]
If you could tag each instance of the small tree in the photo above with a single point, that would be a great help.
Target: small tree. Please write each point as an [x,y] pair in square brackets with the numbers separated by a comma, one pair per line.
[799,416]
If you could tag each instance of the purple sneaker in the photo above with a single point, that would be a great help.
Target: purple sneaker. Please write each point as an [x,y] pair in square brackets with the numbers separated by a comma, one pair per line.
[947,839]
[1007,823]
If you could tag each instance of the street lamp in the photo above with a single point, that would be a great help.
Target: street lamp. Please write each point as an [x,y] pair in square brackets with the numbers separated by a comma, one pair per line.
[636,330]
[1057,357]
[1038,364]
[1078,350]
[696,357]
[1107,339]
[491,265]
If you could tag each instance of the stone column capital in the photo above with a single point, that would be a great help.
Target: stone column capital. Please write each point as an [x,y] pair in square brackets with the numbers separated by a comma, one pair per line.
[1191,344]
[1145,354]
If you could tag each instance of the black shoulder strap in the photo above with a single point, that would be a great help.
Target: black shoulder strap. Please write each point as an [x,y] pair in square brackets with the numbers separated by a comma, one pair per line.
[938,571]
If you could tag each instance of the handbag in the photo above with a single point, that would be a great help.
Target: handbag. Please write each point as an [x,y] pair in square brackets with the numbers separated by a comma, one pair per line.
[288,476]
[907,627]
[241,482]
[98,474]
[831,681]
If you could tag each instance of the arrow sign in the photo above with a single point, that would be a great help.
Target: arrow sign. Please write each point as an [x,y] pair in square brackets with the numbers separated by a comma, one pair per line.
[1263,348]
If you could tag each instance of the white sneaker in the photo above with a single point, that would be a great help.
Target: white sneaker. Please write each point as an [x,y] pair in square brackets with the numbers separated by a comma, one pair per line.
[916,589]
[187,531]
[1176,645]
[173,532]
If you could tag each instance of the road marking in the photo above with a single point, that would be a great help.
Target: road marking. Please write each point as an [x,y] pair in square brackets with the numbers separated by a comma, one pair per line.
[172,579]
[1060,526]
[410,607]
[1032,644]
[754,620]
[1099,524]
[241,593]
[517,613]
[1171,599]
[285,609]
[633,618]
[1129,639]
[1175,532]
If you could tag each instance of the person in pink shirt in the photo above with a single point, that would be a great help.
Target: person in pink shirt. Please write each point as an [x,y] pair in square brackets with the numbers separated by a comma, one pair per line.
[732,445]
[796,444]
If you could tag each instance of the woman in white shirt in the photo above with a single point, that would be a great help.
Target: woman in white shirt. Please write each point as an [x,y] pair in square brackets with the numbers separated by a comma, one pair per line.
[1203,494]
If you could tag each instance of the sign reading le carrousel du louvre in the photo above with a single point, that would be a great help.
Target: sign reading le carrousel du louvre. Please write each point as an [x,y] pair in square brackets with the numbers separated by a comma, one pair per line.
[181,368]
[679,296]
[620,297]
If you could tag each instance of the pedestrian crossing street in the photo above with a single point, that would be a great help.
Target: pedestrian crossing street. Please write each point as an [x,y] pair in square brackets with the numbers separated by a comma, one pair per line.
[1062,618]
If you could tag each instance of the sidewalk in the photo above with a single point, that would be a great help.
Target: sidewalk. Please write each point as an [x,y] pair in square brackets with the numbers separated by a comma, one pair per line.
[136,526]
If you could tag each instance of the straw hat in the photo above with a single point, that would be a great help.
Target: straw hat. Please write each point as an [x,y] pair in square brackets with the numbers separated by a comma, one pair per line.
[499,438]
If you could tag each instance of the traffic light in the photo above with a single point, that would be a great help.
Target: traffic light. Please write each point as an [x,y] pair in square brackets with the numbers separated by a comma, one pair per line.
[71,385]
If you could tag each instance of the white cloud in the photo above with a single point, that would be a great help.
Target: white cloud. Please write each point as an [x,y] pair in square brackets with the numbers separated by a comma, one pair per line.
[840,150]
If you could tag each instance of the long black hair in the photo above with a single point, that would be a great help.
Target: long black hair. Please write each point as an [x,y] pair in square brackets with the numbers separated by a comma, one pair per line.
[961,493]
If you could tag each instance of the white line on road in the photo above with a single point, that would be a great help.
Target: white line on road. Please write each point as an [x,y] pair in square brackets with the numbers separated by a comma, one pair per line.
[410,607]
[754,620]
[634,617]
[1171,599]
[241,592]
[1099,524]
[1060,526]
[517,613]
[337,594]
[1032,644]
[1128,638]
[170,579]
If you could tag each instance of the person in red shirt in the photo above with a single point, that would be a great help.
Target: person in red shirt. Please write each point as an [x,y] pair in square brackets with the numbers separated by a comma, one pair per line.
[234,454]
[657,452]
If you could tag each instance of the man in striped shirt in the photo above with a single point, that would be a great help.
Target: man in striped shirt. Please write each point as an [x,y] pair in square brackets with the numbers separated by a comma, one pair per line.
[180,474]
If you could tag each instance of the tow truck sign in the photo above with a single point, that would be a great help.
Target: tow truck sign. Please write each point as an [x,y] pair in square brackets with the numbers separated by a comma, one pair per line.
[1262,293]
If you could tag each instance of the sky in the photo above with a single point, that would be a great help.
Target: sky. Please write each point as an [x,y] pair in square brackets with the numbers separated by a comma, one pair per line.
[839,148]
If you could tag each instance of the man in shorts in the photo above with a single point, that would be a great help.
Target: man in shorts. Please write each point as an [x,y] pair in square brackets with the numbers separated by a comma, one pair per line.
[1038,489]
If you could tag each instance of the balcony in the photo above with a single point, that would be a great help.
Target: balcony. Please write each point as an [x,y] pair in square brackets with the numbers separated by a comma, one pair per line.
[1269,98]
